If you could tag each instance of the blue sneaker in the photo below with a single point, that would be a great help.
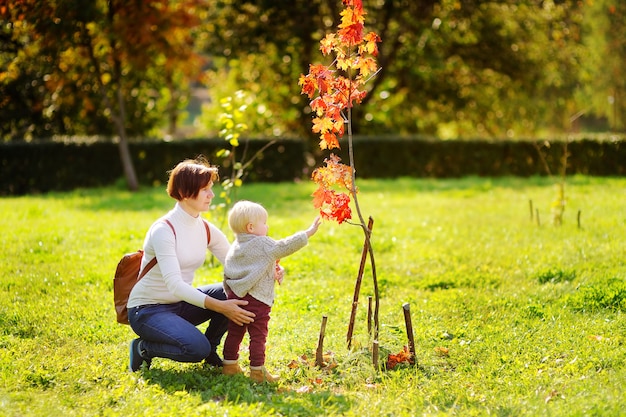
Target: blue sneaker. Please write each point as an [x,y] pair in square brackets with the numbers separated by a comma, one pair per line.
[136,359]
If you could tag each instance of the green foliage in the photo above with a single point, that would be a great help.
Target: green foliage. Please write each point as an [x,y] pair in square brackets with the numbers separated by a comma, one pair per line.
[233,123]
[610,295]
[230,80]
[531,322]
[602,86]
[556,276]
[450,68]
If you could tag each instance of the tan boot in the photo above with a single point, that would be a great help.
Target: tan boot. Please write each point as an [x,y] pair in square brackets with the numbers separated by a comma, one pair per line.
[231,369]
[261,375]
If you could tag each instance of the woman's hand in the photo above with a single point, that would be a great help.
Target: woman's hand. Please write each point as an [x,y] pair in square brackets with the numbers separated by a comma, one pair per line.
[279,273]
[233,311]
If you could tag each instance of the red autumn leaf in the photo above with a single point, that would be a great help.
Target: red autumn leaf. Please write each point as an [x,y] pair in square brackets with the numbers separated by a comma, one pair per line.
[308,85]
[332,205]
[318,106]
[328,141]
[357,4]
[351,26]
[402,357]
[338,209]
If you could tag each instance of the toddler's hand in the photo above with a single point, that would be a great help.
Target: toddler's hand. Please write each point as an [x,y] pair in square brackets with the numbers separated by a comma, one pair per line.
[314,226]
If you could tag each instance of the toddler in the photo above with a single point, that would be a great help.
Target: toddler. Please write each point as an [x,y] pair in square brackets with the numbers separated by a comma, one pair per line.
[249,273]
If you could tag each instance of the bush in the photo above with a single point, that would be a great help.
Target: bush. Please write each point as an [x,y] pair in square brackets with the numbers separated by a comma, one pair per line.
[37,167]
[610,296]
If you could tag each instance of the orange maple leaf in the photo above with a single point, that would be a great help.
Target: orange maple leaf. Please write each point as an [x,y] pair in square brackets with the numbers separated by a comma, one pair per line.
[308,85]
[366,66]
[328,43]
[351,27]
[357,4]
[328,140]
[442,351]
[319,196]
[322,124]
[319,106]
[334,173]
[371,44]
[404,356]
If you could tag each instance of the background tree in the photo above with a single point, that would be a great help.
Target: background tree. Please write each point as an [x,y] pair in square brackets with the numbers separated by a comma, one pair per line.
[448,68]
[96,67]
[602,76]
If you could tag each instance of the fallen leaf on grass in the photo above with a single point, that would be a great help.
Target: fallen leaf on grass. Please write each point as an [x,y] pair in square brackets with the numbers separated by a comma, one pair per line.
[442,351]
[552,395]
[402,357]
[328,361]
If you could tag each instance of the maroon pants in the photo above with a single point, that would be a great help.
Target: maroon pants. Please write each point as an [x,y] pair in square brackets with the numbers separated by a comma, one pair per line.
[257,330]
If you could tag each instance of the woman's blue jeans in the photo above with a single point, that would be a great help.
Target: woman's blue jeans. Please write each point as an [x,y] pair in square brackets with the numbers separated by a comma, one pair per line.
[169,330]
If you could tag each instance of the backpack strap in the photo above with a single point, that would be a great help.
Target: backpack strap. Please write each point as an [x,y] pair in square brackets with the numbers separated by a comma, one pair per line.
[154,261]
[148,267]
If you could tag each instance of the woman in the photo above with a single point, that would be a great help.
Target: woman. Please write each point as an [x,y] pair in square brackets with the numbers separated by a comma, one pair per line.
[163,308]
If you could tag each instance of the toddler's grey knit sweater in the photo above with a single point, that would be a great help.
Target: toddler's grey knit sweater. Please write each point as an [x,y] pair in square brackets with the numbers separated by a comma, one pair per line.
[250,263]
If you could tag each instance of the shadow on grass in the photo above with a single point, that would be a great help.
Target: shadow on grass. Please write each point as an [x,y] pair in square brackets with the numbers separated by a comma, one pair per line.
[149,198]
[281,398]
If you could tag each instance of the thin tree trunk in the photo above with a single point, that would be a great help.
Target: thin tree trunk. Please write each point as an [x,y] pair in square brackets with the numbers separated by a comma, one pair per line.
[119,117]
[125,157]
[357,285]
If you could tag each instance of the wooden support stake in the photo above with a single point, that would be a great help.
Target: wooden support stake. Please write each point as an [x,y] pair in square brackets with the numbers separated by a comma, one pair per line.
[369,315]
[319,353]
[537,216]
[409,329]
[375,354]
[357,286]
[578,219]
[530,203]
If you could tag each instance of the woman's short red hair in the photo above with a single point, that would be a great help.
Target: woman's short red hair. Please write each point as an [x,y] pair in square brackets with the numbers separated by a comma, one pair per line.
[189,177]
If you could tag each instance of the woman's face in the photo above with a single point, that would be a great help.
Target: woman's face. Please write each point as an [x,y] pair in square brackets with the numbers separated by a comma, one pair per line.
[203,201]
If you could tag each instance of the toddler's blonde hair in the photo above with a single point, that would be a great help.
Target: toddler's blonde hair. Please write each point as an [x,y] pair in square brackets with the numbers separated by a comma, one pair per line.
[243,213]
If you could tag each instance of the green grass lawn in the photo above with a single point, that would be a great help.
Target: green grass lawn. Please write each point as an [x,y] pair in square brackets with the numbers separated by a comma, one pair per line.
[510,318]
